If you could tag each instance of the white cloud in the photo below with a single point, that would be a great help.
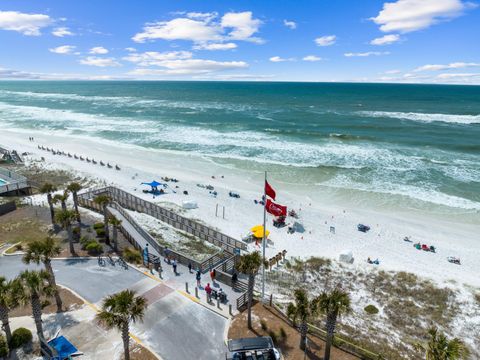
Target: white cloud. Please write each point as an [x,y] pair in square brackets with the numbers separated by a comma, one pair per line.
[26,24]
[457,76]
[61,32]
[215,46]
[412,15]
[326,40]
[203,28]
[391,72]
[99,61]
[98,50]
[150,58]
[365,54]
[179,29]
[312,58]
[65,49]
[190,67]
[456,65]
[243,25]
[130,49]
[279,59]
[386,40]
[290,24]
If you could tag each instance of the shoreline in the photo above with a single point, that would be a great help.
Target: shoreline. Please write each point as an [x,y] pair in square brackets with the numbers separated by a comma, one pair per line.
[384,241]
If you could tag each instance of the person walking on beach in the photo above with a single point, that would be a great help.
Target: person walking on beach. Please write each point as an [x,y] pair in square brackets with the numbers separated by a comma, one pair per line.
[198,276]
[208,290]
[174,265]
[189,267]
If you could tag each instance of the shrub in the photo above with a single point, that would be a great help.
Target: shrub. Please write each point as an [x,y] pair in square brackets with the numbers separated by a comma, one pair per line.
[76,230]
[45,303]
[132,255]
[20,337]
[93,247]
[98,225]
[100,232]
[273,335]
[84,240]
[19,247]
[3,347]
[477,297]
[263,324]
[371,309]
[283,333]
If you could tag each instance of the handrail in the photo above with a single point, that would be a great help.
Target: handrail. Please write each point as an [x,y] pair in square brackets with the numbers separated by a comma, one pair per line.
[133,202]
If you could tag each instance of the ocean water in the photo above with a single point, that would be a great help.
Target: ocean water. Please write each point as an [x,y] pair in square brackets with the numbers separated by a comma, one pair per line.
[411,146]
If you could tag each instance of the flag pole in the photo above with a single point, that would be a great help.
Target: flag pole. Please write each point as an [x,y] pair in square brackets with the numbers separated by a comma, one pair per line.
[264,235]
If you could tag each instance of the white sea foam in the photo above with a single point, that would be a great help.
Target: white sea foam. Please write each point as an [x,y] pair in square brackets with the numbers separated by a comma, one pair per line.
[423,117]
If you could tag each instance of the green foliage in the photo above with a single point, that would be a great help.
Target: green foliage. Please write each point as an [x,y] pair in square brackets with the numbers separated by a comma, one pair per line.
[98,225]
[93,247]
[20,337]
[283,333]
[132,255]
[477,297]
[100,233]
[371,309]
[84,240]
[76,230]
[264,325]
[3,347]
[19,247]
[273,335]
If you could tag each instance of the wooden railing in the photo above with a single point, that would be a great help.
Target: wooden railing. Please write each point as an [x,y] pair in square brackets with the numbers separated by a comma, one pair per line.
[192,227]
[204,266]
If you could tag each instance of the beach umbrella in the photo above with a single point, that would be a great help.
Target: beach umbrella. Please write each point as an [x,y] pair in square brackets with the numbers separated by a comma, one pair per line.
[257,231]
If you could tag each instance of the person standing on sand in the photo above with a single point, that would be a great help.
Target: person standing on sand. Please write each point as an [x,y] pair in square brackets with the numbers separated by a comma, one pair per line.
[198,276]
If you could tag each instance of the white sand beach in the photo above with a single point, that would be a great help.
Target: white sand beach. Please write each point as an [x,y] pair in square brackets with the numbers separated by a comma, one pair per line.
[384,241]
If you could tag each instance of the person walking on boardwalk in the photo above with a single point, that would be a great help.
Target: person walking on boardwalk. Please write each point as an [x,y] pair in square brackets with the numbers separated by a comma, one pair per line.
[234,279]
[174,265]
[167,255]
[208,290]
[198,276]
[213,273]
[189,267]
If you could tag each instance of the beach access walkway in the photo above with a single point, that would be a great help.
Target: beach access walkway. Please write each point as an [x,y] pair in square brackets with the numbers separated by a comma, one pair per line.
[175,326]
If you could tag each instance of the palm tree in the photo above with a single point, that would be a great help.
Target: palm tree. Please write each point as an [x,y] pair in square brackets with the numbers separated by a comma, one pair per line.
[115,224]
[61,198]
[48,188]
[65,218]
[121,309]
[333,304]
[439,347]
[8,301]
[304,310]
[250,265]
[103,201]
[74,188]
[42,251]
[34,286]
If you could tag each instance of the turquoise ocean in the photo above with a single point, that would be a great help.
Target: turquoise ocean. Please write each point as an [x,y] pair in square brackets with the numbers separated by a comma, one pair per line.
[408,146]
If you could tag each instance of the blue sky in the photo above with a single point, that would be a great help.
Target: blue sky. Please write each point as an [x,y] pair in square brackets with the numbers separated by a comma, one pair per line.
[425,41]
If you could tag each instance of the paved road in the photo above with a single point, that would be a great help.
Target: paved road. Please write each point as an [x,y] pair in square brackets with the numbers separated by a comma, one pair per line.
[175,326]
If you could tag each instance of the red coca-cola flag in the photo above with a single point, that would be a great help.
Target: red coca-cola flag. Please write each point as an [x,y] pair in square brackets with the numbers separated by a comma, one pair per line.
[269,190]
[275,209]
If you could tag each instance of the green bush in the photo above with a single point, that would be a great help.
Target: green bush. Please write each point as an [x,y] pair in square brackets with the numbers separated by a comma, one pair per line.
[283,333]
[98,225]
[263,324]
[3,347]
[100,232]
[93,247]
[132,255]
[371,309]
[20,337]
[273,335]
[84,240]
[19,247]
